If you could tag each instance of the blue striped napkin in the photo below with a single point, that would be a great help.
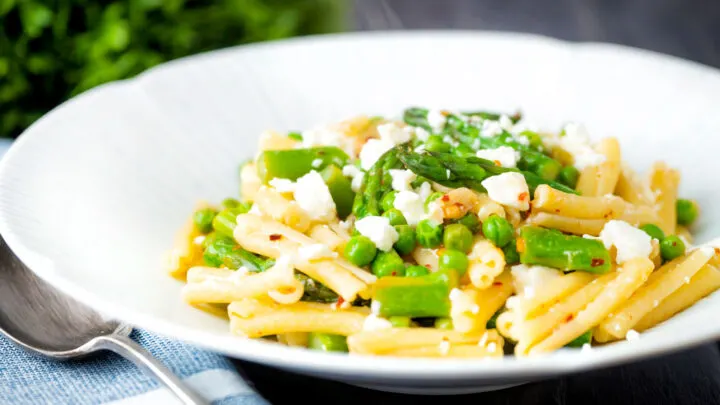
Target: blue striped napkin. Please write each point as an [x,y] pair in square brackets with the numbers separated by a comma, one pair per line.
[109,379]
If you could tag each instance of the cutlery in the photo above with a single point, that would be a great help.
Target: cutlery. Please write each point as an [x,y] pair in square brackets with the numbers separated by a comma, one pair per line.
[43,320]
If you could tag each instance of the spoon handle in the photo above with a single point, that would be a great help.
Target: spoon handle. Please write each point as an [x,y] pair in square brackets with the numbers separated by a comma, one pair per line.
[132,351]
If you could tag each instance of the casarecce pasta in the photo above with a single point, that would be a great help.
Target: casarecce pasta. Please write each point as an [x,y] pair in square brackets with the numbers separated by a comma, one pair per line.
[444,234]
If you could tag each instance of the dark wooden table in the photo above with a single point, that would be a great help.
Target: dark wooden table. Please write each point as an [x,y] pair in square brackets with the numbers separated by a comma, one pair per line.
[684,28]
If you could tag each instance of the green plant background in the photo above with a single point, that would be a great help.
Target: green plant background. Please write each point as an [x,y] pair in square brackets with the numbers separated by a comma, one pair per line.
[51,50]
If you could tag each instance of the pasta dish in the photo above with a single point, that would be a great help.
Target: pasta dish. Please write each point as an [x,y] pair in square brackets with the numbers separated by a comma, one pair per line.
[444,234]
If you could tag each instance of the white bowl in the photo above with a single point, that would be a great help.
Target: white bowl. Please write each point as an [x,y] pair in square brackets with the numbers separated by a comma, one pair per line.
[92,194]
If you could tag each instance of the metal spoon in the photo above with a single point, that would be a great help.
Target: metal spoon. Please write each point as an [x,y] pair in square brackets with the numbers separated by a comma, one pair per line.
[43,320]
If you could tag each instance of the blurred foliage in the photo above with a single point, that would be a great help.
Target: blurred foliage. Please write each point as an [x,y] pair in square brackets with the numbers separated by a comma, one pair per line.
[51,50]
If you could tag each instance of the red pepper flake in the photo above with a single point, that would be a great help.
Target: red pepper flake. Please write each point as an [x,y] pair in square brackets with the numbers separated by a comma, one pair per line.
[569,318]
[596,261]
[428,266]
[717,251]
[557,211]
[674,243]
[445,198]
[497,163]
[498,284]
[523,196]
[336,305]
[275,236]
[394,273]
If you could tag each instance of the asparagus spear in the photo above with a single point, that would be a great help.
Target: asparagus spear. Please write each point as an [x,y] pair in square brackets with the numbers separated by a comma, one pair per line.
[417,116]
[454,171]
[469,135]
[422,296]
[293,163]
[585,338]
[515,118]
[225,251]
[552,248]
[315,291]
[374,185]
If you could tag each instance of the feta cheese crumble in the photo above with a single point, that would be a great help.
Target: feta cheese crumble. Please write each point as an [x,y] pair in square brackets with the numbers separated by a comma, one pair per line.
[505,123]
[313,196]
[577,142]
[631,335]
[504,156]
[378,230]
[394,133]
[401,179]
[490,129]
[372,150]
[355,174]
[508,189]
[316,251]
[422,134]
[411,206]
[374,322]
[282,185]
[327,136]
[630,242]
[316,163]
[444,347]
[436,119]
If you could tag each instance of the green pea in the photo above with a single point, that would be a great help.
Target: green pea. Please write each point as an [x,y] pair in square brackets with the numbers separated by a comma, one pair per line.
[209,239]
[432,197]
[388,200]
[203,219]
[428,233]
[399,321]
[444,323]
[458,237]
[687,211]
[497,230]
[416,271]
[471,221]
[569,176]
[296,136]
[360,250]
[406,239]
[654,231]
[327,342]
[511,254]
[388,264]
[672,247]
[534,138]
[230,203]
[450,259]
[419,180]
[395,216]
[435,143]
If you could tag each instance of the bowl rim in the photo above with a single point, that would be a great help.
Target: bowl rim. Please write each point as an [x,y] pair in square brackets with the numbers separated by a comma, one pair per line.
[352,366]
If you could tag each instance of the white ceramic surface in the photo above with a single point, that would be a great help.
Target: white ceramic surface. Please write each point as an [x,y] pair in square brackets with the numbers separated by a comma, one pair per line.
[92,194]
